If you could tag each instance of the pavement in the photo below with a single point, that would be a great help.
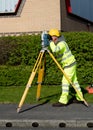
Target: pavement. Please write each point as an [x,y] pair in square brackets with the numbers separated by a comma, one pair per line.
[44,115]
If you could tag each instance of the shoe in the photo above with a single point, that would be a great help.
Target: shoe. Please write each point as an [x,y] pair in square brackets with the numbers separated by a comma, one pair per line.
[58,104]
[78,102]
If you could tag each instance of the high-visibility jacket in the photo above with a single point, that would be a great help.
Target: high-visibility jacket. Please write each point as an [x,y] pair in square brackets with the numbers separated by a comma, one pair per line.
[63,53]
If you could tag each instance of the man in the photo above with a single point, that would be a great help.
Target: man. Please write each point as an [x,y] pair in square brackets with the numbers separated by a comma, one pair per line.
[68,61]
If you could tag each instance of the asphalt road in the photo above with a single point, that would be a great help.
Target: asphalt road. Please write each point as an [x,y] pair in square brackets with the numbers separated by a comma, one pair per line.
[45,116]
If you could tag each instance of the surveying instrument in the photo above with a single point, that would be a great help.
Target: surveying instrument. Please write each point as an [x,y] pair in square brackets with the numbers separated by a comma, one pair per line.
[39,65]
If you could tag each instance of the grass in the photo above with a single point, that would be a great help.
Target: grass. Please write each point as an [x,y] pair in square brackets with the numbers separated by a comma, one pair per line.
[14,94]
[48,93]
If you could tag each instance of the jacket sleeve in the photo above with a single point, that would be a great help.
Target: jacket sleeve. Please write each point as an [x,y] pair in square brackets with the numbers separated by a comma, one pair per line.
[58,47]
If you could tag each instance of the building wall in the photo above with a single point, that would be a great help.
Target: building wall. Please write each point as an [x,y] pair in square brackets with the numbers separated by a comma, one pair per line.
[36,15]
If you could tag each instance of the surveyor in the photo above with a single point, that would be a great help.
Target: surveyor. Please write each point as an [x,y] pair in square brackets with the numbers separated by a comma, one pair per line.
[64,56]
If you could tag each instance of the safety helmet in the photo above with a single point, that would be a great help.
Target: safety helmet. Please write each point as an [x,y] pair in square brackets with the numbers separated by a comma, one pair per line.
[54,32]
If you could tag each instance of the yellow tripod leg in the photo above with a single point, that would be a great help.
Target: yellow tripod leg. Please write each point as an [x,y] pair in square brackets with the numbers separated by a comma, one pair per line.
[30,80]
[40,78]
[59,66]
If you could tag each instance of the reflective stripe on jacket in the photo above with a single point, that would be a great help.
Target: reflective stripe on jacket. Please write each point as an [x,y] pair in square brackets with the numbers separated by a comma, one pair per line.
[63,53]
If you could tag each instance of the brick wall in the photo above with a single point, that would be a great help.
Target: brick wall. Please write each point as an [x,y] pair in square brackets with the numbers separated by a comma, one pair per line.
[36,15]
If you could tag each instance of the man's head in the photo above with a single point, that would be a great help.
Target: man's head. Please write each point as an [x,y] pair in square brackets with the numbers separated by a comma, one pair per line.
[55,34]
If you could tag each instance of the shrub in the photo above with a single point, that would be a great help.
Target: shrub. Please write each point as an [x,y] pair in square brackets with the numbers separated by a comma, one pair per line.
[19,54]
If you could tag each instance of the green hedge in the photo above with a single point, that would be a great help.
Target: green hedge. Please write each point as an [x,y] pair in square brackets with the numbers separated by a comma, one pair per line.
[19,54]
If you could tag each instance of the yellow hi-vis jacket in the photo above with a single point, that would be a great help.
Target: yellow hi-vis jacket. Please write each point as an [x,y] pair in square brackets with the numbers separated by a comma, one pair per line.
[63,53]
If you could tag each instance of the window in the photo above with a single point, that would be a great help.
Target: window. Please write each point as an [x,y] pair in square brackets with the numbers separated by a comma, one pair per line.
[9,6]
[81,8]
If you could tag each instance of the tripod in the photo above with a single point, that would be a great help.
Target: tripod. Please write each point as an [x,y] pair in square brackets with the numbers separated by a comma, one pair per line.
[40,65]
